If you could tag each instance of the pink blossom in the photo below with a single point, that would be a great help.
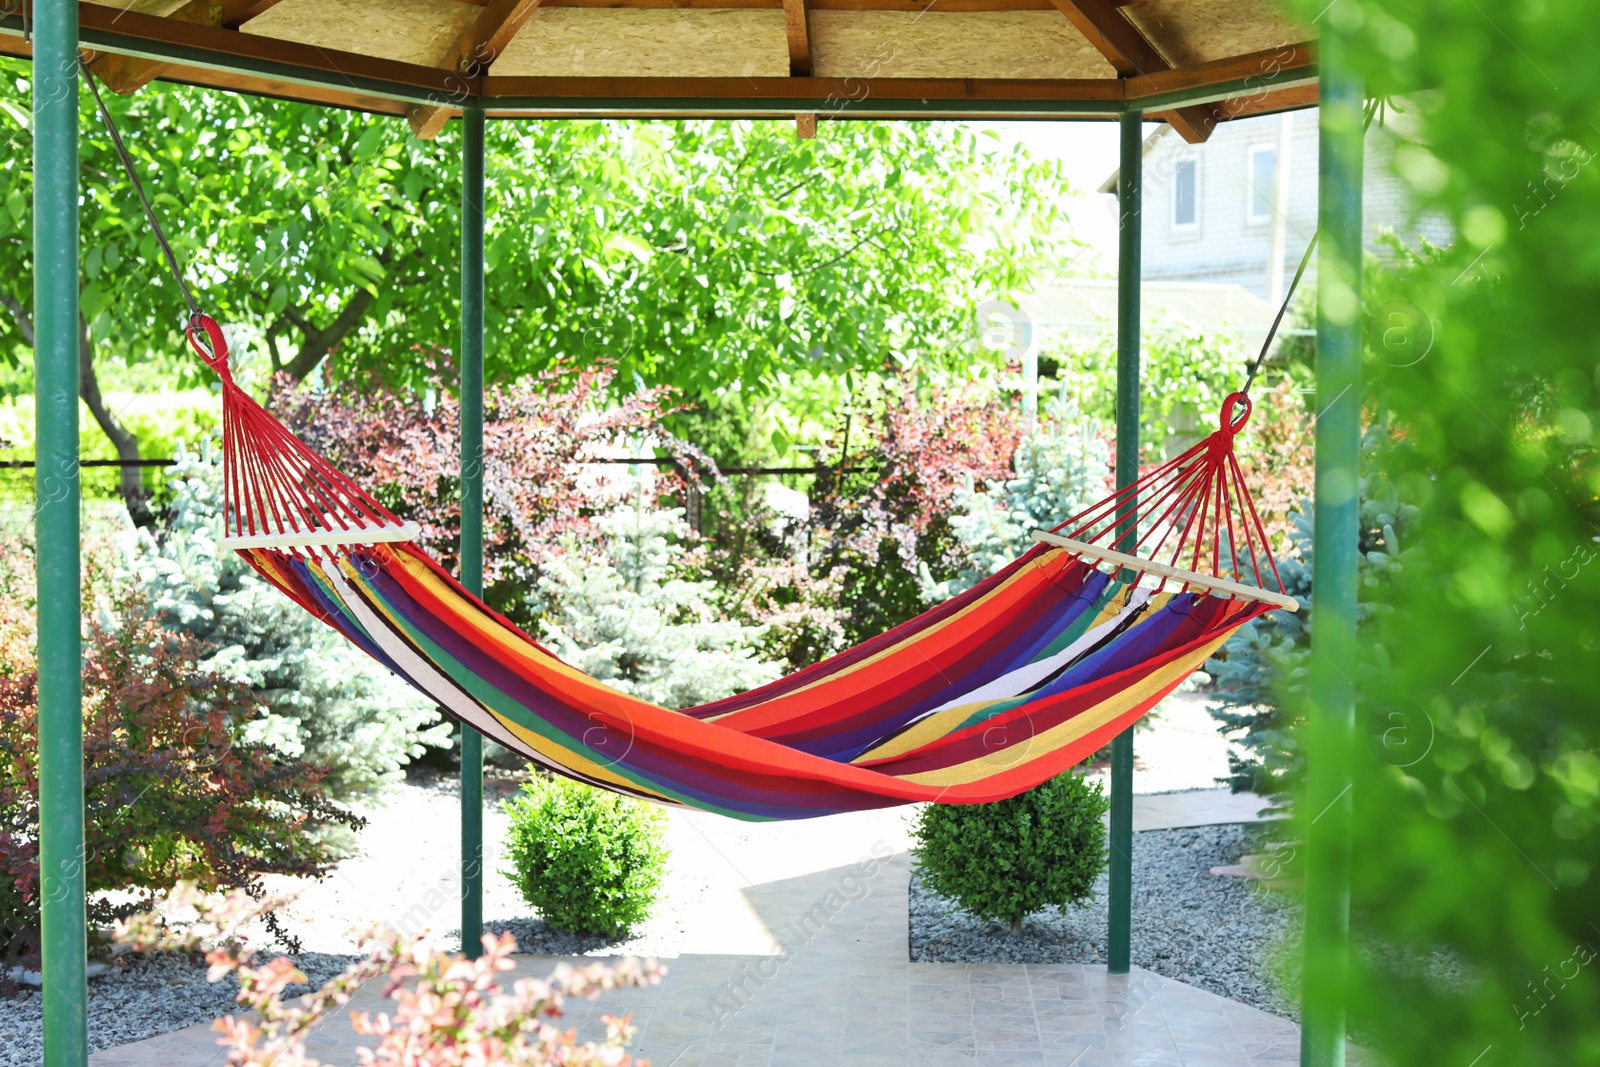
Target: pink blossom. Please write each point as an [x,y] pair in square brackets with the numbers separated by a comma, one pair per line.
[449,1011]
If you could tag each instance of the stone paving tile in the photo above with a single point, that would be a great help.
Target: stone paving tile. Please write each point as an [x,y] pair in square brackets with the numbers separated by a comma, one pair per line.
[1011,1058]
[847,995]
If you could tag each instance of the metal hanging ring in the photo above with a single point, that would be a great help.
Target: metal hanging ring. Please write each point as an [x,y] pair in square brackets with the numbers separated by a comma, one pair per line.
[1231,423]
[208,341]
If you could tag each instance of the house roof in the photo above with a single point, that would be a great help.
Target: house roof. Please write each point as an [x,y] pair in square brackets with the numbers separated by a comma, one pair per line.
[1397,119]
[1191,62]
[1081,309]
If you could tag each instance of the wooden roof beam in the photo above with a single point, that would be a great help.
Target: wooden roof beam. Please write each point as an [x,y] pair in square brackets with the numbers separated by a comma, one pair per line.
[479,45]
[1133,56]
[128,74]
[1268,71]
[796,27]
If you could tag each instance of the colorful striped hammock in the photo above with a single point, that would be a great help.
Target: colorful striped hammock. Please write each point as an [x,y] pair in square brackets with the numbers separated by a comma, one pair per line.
[983,697]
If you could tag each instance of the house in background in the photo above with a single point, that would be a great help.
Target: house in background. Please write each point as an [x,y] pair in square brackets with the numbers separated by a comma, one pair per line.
[1242,207]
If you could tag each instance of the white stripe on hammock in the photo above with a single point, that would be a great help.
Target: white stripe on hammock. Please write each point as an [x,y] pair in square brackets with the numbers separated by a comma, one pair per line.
[446,691]
[1022,679]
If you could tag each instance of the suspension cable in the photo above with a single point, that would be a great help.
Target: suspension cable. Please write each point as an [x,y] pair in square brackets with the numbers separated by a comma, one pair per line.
[138,186]
[1305,260]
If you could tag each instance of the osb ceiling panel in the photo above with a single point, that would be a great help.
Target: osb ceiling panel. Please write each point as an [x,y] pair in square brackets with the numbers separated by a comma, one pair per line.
[162,8]
[652,43]
[902,44]
[1189,32]
[408,31]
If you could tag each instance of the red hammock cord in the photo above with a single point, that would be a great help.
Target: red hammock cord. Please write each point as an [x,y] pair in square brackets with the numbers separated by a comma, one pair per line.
[273,482]
[276,484]
[1200,496]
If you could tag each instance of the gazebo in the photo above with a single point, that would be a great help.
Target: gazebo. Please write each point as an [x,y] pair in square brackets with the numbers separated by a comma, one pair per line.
[1190,63]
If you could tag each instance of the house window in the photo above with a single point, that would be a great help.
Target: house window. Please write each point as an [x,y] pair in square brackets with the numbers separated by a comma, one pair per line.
[1186,194]
[1262,180]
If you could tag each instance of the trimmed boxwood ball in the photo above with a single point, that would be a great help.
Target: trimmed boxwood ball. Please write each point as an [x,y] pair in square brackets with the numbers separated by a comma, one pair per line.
[1008,859]
[590,861]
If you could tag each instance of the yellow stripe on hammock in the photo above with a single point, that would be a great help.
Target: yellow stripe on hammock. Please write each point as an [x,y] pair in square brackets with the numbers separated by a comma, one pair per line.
[899,647]
[940,724]
[1080,725]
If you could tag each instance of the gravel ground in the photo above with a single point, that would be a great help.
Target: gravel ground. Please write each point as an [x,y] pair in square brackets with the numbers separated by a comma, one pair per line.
[534,935]
[147,996]
[1218,933]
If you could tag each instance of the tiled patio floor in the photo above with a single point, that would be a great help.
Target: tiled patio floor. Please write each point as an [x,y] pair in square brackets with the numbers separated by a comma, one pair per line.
[843,992]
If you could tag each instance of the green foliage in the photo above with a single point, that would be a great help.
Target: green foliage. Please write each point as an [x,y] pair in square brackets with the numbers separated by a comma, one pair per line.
[161,420]
[1059,469]
[1184,374]
[1008,859]
[1485,839]
[326,701]
[588,859]
[174,786]
[729,259]
[277,210]
[1263,671]
[630,619]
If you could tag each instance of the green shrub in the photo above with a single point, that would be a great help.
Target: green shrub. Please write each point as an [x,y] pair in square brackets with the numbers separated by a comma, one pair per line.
[1008,859]
[589,860]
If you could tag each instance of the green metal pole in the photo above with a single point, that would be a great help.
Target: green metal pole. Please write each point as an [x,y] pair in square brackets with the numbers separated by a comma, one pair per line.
[1331,722]
[1119,937]
[55,316]
[472,506]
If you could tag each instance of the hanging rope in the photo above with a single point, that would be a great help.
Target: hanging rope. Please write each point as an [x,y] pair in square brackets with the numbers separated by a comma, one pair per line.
[195,314]
[1198,514]
[1277,319]
[1305,260]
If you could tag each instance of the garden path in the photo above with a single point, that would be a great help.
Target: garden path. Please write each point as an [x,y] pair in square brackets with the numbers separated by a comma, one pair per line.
[840,990]
[786,945]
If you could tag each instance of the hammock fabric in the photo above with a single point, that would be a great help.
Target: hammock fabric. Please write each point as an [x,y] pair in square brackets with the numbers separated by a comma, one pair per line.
[978,699]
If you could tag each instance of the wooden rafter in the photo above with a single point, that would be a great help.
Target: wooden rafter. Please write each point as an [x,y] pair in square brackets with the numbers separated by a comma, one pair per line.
[1267,72]
[790,96]
[128,74]
[799,33]
[1267,103]
[471,54]
[219,57]
[915,7]
[1133,56]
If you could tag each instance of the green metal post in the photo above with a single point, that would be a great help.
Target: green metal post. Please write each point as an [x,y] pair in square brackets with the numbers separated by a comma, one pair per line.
[1119,937]
[55,317]
[1331,722]
[472,505]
